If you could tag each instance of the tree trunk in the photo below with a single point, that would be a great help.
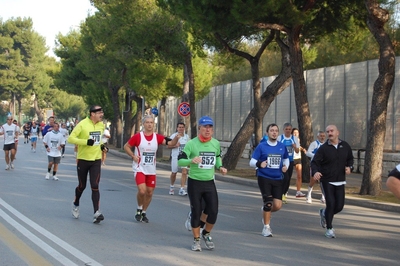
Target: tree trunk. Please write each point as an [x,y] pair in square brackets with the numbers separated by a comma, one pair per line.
[38,112]
[283,80]
[116,121]
[377,17]
[127,118]
[192,99]
[300,94]
[185,98]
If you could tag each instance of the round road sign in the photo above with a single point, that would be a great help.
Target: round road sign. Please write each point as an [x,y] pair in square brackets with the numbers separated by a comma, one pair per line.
[184,109]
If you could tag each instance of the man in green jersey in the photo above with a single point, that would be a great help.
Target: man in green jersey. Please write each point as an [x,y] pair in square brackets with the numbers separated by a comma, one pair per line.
[203,155]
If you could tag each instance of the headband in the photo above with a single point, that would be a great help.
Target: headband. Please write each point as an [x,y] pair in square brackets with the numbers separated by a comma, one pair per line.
[96,110]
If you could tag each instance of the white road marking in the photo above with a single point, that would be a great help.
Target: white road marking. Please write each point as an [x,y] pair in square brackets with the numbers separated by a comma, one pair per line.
[52,252]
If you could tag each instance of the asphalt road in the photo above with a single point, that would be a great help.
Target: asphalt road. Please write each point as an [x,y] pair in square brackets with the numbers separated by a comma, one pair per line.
[37,228]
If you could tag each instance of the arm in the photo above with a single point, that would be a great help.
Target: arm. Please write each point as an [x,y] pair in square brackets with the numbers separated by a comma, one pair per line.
[73,138]
[296,145]
[310,150]
[128,150]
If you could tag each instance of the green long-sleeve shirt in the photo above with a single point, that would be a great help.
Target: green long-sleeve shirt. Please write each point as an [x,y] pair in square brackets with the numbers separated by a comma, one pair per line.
[209,151]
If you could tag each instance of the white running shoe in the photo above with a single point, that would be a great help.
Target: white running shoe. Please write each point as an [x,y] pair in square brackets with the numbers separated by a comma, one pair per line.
[208,241]
[182,192]
[267,231]
[196,245]
[75,211]
[55,178]
[47,177]
[188,225]
[171,190]
[323,199]
[309,200]
[98,217]
[300,194]
[7,167]
[330,233]
[12,165]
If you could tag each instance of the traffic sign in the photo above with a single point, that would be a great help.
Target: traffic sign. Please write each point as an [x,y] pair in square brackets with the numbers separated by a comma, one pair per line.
[184,109]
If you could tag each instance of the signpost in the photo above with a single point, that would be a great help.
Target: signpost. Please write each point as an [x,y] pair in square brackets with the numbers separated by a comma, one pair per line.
[184,109]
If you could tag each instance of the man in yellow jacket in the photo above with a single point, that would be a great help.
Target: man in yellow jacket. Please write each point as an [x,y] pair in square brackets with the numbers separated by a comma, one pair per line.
[87,136]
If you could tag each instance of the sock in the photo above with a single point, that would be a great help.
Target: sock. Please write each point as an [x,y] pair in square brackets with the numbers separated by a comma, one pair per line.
[205,232]
[54,173]
[48,170]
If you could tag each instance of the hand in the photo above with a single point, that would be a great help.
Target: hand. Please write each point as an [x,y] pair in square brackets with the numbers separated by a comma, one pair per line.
[90,142]
[223,170]
[196,160]
[263,164]
[135,158]
[347,170]
[317,176]
[284,169]
[104,148]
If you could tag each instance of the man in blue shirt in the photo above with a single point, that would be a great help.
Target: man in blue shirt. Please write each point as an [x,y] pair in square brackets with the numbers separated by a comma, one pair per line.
[271,159]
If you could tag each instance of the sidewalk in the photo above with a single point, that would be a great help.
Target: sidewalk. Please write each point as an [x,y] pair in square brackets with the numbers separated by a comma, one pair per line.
[353,180]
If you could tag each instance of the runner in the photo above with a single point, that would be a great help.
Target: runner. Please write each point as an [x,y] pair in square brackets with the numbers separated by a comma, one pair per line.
[272,160]
[330,165]
[10,132]
[35,129]
[53,142]
[145,144]
[65,134]
[203,155]
[87,136]
[175,151]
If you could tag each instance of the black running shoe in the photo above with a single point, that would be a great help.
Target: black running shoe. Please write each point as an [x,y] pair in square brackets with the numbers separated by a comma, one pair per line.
[138,215]
[144,218]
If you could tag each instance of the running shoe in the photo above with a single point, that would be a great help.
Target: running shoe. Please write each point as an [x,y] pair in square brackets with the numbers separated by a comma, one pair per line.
[188,224]
[330,233]
[7,167]
[300,194]
[208,241]
[144,218]
[55,178]
[138,215]
[98,217]
[12,165]
[309,200]
[322,216]
[47,176]
[75,211]
[182,192]
[267,231]
[171,191]
[196,245]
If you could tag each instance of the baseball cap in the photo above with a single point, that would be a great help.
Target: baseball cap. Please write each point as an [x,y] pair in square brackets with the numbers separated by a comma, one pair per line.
[206,120]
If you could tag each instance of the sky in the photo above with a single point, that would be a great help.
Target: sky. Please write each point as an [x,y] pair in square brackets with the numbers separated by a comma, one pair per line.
[49,17]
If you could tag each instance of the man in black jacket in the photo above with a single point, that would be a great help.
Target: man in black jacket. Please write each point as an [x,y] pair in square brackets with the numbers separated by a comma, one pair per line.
[330,165]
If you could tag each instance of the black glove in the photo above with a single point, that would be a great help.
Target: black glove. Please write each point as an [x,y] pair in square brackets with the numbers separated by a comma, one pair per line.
[104,148]
[90,142]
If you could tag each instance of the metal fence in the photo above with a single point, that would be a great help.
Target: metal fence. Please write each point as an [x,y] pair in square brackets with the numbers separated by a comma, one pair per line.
[339,95]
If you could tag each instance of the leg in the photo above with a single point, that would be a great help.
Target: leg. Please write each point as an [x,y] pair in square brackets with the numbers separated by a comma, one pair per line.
[148,197]
[330,203]
[299,176]
[82,170]
[7,156]
[94,172]
[393,184]
[183,177]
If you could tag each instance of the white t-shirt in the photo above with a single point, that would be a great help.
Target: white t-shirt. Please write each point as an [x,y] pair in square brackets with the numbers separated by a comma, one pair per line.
[64,133]
[54,140]
[182,141]
[105,133]
[9,133]
[34,131]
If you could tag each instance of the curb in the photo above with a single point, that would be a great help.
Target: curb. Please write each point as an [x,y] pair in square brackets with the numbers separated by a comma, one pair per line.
[351,200]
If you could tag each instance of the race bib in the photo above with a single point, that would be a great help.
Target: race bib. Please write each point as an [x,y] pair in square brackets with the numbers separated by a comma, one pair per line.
[53,145]
[207,160]
[289,150]
[148,158]
[274,161]
[96,136]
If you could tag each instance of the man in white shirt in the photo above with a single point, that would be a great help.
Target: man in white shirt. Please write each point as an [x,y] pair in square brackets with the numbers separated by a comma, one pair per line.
[175,150]
[104,140]
[53,142]
[10,132]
